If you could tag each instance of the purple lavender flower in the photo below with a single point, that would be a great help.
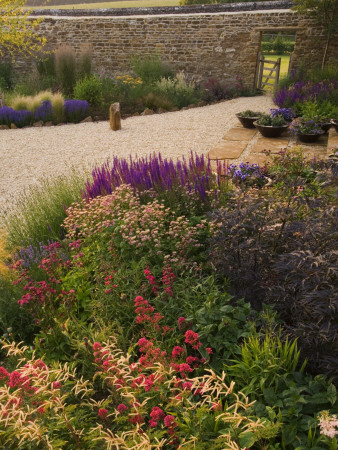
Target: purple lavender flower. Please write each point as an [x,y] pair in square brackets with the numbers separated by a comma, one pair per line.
[75,110]
[19,118]
[44,112]
[32,254]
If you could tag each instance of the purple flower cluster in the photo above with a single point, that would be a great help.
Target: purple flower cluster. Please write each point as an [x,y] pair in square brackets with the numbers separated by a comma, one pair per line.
[305,127]
[32,254]
[75,110]
[248,174]
[44,112]
[19,118]
[303,91]
[287,113]
[154,173]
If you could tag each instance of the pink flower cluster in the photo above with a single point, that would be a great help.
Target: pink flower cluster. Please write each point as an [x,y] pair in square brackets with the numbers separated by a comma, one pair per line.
[145,313]
[192,339]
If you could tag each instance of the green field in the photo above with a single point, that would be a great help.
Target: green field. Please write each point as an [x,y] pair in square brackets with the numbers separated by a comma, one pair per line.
[116,4]
[283,69]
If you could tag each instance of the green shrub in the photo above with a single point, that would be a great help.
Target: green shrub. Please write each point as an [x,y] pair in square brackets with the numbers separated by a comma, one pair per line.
[65,65]
[89,89]
[178,90]
[6,76]
[157,101]
[151,69]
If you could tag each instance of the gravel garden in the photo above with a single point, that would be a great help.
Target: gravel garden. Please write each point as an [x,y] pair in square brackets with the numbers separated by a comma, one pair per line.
[156,301]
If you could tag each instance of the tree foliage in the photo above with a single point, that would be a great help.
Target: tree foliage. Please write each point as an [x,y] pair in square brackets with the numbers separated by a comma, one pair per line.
[18,29]
[324,13]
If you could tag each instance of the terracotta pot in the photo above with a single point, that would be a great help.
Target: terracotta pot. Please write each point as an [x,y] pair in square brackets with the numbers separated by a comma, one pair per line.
[247,122]
[270,131]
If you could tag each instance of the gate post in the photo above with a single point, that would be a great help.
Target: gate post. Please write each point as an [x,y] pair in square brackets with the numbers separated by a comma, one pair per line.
[257,70]
[277,73]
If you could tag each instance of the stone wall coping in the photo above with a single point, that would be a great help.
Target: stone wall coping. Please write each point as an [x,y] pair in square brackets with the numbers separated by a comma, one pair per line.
[206,14]
[167,10]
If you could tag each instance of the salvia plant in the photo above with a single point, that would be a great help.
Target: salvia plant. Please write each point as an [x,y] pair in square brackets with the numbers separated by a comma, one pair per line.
[189,182]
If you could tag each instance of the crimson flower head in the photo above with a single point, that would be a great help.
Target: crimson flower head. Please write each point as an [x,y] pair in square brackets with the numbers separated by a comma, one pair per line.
[177,351]
[103,413]
[97,346]
[122,407]
[169,421]
[157,413]
[192,339]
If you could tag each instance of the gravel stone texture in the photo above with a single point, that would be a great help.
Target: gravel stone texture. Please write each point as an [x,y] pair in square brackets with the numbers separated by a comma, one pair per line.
[28,155]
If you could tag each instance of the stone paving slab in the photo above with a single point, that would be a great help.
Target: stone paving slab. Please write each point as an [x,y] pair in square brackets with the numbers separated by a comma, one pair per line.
[275,145]
[257,158]
[228,150]
[240,134]
[332,140]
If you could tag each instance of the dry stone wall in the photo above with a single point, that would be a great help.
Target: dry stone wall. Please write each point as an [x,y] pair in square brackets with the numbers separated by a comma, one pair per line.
[220,45]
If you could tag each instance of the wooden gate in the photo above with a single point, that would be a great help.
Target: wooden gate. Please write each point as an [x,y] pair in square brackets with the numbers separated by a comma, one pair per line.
[267,72]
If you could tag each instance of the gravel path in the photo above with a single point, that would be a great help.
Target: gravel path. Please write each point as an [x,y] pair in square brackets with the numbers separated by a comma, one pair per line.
[27,155]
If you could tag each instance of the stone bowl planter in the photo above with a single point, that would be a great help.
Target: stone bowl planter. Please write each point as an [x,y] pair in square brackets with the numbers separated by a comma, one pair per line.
[309,138]
[334,122]
[270,131]
[325,126]
[247,122]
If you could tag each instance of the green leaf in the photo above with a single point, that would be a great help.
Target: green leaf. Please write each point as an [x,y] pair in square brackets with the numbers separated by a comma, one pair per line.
[247,439]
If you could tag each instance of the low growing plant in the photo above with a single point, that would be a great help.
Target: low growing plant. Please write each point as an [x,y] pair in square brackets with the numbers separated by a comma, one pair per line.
[89,88]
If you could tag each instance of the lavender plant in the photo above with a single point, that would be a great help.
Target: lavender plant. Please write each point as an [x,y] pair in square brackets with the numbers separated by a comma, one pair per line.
[44,112]
[75,110]
[20,118]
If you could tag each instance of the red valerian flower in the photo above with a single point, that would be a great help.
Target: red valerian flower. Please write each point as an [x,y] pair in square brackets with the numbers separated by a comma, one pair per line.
[192,339]
[157,413]
[103,413]
[121,408]
[169,421]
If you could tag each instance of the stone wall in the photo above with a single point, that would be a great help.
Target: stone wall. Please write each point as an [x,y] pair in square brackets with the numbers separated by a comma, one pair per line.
[220,45]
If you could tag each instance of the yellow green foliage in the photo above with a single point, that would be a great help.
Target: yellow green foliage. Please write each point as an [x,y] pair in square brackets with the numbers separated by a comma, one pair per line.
[18,32]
